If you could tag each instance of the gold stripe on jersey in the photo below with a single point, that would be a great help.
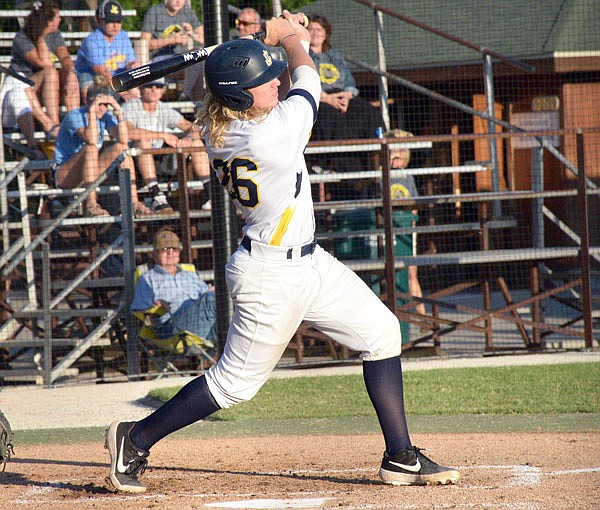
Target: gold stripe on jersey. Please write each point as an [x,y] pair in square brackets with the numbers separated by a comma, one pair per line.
[281,229]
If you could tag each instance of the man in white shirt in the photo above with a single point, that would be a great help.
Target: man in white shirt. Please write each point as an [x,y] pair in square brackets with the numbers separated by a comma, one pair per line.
[152,124]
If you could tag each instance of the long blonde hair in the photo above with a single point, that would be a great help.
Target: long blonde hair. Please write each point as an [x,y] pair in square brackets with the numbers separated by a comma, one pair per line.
[214,118]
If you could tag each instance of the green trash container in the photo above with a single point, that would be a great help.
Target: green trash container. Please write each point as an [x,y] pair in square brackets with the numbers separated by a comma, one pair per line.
[365,247]
[403,245]
[352,248]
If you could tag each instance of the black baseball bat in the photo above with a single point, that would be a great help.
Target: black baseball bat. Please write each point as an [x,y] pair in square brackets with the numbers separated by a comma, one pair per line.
[154,70]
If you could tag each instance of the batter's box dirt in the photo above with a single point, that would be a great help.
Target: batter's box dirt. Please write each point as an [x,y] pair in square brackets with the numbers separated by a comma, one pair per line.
[499,471]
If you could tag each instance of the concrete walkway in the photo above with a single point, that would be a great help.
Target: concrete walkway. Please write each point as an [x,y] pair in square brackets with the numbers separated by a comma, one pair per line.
[96,405]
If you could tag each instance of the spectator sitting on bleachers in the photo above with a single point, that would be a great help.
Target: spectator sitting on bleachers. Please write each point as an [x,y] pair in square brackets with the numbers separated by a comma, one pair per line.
[188,299]
[151,124]
[16,100]
[248,22]
[343,114]
[107,50]
[81,154]
[171,27]
[35,50]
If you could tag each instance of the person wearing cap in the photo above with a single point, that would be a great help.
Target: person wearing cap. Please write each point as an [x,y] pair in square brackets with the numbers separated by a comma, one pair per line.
[189,300]
[172,27]
[81,153]
[152,124]
[107,50]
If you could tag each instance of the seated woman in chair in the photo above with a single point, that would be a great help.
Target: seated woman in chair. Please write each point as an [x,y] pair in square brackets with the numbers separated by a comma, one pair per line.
[173,288]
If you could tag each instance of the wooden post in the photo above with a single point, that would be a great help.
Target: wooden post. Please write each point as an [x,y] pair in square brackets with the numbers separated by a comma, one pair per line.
[584,250]
[535,307]
[456,176]
[390,272]
[486,277]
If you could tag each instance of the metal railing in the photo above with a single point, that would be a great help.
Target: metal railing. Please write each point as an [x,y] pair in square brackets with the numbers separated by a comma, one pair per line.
[447,317]
[22,250]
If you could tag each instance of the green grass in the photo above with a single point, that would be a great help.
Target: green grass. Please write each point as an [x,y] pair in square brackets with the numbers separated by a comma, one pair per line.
[545,389]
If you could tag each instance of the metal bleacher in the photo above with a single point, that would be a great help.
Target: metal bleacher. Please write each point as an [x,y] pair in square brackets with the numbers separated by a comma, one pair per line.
[57,303]
[65,307]
[494,259]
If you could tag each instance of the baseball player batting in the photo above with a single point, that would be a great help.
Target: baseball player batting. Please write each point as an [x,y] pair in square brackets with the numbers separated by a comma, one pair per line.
[278,276]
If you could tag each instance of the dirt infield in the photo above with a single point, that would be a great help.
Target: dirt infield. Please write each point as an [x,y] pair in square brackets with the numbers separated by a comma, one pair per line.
[505,471]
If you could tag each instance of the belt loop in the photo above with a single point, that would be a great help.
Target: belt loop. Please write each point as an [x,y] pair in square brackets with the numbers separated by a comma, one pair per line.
[247,243]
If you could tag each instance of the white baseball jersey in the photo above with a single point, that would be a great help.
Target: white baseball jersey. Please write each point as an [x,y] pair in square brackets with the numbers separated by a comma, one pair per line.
[277,208]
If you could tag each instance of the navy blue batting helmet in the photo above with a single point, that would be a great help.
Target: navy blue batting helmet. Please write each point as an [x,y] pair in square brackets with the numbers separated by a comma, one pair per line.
[238,65]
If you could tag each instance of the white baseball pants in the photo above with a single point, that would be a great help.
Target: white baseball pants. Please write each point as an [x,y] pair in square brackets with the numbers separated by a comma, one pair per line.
[273,294]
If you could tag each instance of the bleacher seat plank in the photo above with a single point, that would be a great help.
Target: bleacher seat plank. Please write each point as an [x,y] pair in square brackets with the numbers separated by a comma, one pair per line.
[64,13]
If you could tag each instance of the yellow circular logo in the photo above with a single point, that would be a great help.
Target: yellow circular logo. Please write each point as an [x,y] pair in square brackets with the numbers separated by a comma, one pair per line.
[399,191]
[328,73]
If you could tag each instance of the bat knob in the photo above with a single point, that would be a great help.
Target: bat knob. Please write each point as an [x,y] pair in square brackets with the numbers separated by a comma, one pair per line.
[116,83]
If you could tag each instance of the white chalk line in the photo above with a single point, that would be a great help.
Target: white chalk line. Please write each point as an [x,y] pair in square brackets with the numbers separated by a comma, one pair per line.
[321,471]
[263,504]
[408,506]
[287,504]
[400,506]
[31,496]
[520,475]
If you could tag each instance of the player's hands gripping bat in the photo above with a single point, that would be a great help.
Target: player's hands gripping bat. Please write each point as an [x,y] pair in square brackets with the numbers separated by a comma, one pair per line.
[153,71]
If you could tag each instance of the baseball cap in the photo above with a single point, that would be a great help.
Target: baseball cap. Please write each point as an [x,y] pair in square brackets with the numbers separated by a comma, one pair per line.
[110,11]
[97,90]
[158,81]
[166,238]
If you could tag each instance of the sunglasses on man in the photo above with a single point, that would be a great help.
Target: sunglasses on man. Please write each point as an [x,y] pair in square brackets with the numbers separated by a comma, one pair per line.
[157,85]
[239,22]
